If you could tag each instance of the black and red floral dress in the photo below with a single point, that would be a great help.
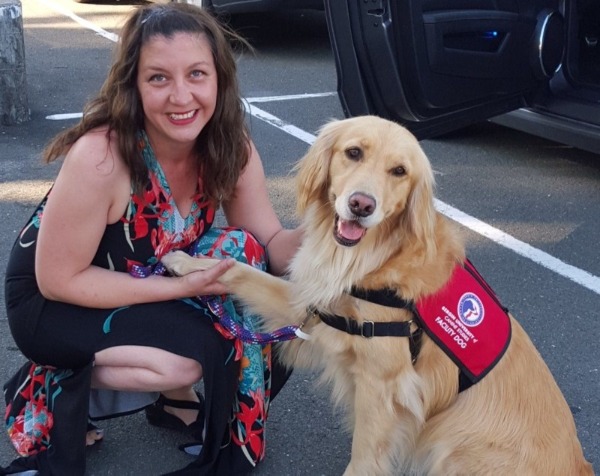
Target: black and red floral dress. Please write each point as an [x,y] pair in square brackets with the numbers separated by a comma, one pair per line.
[48,399]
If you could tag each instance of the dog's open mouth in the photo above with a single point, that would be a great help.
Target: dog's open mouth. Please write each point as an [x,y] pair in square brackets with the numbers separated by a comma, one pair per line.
[348,232]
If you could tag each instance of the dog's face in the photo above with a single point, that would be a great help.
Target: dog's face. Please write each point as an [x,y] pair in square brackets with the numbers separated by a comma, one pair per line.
[370,171]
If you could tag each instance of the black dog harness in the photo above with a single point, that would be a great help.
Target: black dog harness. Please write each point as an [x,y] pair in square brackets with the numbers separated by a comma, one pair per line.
[464,318]
[368,329]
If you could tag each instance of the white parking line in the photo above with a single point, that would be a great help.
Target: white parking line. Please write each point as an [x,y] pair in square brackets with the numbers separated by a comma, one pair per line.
[577,275]
[87,24]
[289,97]
[568,271]
[280,124]
[64,117]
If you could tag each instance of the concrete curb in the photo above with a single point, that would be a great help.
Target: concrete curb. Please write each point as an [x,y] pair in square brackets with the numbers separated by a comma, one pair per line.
[14,108]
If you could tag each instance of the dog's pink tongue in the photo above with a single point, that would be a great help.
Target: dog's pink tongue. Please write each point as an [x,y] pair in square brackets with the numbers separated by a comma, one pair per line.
[350,230]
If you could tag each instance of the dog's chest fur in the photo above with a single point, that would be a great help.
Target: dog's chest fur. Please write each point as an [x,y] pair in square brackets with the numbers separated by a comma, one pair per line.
[324,272]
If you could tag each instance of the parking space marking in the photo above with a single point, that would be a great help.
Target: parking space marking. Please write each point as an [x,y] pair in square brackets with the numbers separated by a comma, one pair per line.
[281,124]
[536,255]
[289,97]
[64,117]
[87,24]
[577,275]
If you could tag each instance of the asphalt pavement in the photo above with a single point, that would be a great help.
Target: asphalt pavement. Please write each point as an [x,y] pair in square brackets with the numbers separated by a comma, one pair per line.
[541,193]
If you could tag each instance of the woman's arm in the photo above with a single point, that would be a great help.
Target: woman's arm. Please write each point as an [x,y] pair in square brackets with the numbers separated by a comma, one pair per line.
[282,248]
[92,189]
[252,210]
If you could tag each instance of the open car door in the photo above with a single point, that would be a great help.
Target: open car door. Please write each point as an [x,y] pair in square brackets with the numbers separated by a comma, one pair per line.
[438,65]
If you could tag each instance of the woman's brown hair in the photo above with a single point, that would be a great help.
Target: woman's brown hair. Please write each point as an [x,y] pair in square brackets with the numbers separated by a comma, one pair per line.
[223,145]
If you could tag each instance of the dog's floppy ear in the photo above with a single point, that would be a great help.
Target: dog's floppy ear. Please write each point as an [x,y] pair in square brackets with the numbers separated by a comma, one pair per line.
[420,217]
[312,179]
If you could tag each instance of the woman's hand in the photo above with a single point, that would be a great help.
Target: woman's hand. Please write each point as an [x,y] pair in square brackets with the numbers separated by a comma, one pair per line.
[206,282]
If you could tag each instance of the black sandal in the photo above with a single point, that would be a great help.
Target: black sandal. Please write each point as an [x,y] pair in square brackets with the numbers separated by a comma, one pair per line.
[157,416]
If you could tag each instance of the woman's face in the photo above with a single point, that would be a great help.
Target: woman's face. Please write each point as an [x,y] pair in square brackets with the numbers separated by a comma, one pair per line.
[177,82]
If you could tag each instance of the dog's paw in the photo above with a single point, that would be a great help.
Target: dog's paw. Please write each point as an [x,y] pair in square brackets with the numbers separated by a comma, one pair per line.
[175,262]
[180,263]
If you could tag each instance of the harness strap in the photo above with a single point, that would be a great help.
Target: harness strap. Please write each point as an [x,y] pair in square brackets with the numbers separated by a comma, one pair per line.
[384,297]
[369,329]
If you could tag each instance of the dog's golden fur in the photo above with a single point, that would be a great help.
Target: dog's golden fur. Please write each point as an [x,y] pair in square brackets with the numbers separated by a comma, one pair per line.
[404,417]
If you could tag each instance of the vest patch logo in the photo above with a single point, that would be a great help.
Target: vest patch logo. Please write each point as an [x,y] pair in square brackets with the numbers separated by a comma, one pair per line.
[467,321]
[470,309]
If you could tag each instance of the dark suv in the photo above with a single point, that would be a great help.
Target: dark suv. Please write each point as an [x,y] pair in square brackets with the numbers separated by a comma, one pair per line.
[438,65]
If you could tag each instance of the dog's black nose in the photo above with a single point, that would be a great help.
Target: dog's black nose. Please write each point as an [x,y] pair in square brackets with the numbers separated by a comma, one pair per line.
[361,204]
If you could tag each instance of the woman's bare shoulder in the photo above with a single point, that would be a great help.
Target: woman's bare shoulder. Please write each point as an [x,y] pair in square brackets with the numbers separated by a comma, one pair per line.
[93,171]
[96,153]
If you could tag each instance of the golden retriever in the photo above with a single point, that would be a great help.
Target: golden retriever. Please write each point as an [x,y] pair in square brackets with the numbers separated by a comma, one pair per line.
[365,197]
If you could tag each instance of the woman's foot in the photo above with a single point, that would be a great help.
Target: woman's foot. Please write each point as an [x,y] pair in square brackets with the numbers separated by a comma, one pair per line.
[93,434]
[185,416]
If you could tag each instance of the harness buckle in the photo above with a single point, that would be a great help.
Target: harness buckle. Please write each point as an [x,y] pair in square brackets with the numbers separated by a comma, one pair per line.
[367,330]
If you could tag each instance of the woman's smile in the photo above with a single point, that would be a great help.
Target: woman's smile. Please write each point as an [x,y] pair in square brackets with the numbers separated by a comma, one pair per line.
[183,118]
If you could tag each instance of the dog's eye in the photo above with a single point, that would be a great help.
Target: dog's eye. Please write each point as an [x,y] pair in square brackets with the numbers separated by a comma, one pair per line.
[354,153]
[398,171]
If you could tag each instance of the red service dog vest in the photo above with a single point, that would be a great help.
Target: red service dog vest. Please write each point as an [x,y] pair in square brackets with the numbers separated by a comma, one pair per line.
[467,322]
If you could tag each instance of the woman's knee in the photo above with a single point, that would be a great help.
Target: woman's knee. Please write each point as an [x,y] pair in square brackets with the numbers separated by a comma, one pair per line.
[177,371]
[184,372]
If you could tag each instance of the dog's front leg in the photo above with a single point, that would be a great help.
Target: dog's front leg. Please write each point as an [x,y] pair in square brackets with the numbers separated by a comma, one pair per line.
[383,430]
[265,294]
[370,440]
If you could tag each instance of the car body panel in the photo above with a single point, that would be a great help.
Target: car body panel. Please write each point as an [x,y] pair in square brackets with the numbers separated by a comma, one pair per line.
[553,127]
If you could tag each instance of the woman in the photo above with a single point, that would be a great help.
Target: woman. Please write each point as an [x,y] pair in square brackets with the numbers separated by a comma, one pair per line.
[161,147]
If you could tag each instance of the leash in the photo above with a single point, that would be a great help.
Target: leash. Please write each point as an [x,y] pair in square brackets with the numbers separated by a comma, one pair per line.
[215,306]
